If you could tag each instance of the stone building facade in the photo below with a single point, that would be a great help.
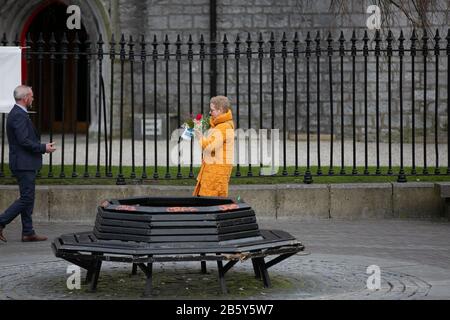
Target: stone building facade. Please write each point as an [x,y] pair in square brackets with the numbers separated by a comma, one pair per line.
[184,18]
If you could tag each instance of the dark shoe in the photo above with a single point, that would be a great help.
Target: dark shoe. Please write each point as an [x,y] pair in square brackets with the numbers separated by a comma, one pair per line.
[2,237]
[33,238]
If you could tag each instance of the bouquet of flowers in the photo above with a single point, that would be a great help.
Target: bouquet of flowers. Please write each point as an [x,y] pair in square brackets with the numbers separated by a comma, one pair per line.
[198,123]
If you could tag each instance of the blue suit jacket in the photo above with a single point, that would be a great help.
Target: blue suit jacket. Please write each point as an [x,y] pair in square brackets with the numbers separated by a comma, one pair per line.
[25,149]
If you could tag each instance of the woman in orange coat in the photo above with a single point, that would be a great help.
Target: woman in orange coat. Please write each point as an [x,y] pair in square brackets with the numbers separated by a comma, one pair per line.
[218,148]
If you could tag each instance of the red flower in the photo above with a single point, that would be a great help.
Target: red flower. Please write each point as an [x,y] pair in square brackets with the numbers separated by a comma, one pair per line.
[198,117]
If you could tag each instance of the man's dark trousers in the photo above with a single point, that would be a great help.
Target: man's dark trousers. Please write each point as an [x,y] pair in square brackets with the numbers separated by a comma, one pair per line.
[24,205]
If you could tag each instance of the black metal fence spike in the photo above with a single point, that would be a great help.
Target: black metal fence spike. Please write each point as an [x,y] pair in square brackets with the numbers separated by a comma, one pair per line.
[437,39]
[225,40]
[122,44]
[155,48]
[112,47]
[318,48]
[330,44]
[100,39]
[308,45]
[389,40]
[425,43]
[76,46]
[414,35]
[4,40]
[366,36]
[76,40]
[40,40]
[390,36]
[353,41]
[131,48]
[87,43]
[190,51]
[260,50]
[341,44]
[401,46]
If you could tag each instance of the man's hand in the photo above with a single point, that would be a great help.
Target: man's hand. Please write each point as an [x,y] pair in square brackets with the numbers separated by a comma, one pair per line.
[50,147]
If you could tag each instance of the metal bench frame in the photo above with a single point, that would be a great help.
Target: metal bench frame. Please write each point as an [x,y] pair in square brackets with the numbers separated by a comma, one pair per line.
[88,252]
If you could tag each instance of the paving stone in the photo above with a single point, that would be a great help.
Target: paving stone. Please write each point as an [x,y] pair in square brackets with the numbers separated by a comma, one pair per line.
[413,257]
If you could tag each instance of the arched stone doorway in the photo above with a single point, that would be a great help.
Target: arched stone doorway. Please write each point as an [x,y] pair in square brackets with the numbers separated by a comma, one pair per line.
[57,89]
[17,17]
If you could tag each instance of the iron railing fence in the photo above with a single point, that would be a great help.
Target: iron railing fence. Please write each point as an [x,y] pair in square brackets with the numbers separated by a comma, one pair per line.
[320,89]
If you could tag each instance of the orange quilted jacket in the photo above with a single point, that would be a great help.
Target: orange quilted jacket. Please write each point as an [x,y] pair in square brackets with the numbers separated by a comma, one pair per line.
[218,154]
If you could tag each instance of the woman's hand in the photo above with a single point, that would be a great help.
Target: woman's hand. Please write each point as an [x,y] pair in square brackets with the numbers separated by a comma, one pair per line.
[198,133]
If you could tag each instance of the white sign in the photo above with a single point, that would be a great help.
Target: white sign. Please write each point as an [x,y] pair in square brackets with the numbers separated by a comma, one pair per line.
[150,127]
[11,74]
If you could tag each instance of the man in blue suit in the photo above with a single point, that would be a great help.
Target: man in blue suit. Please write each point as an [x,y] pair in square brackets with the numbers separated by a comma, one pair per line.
[25,159]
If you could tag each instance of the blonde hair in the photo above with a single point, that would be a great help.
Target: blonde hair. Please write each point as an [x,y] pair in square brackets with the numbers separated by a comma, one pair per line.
[222,103]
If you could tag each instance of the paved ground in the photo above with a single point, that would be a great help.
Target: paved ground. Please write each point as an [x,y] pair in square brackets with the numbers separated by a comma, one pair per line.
[413,257]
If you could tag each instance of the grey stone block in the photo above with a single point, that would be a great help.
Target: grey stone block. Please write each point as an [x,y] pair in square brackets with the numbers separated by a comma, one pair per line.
[79,203]
[201,22]
[157,23]
[444,189]
[303,201]
[364,200]
[417,200]
[261,198]
[180,22]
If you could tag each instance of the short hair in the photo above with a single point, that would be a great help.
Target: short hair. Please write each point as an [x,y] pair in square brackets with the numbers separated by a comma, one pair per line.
[21,92]
[221,102]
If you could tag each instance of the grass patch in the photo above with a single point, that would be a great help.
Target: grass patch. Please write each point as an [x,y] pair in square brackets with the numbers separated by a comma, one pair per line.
[185,176]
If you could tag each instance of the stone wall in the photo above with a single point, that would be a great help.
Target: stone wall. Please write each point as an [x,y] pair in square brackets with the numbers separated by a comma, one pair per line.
[253,17]
[234,17]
